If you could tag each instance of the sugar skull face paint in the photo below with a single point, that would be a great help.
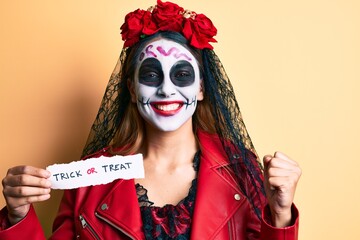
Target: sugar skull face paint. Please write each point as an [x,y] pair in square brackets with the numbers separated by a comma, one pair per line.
[167,84]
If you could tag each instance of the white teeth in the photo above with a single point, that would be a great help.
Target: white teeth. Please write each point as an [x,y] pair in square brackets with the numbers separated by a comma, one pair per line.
[170,107]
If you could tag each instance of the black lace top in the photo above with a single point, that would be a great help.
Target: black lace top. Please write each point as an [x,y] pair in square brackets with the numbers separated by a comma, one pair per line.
[169,221]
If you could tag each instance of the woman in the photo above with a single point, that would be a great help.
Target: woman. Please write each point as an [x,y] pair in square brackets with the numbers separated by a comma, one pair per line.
[169,99]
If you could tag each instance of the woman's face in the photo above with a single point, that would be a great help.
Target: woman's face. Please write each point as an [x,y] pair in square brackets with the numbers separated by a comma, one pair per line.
[167,84]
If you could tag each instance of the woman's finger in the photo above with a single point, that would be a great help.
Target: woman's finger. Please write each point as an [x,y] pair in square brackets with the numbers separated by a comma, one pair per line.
[14,203]
[25,191]
[26,180]
[29,170]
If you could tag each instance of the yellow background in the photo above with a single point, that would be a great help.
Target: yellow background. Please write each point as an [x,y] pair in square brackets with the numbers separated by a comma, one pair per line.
[295,66]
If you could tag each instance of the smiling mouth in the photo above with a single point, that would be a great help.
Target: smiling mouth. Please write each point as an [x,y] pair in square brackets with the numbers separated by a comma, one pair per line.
[167,108]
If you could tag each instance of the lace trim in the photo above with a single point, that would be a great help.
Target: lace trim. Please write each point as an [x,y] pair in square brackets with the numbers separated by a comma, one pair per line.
[145,202]
[169,221]
[142,196]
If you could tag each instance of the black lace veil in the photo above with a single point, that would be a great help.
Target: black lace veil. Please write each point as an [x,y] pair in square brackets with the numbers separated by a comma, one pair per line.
[224,107]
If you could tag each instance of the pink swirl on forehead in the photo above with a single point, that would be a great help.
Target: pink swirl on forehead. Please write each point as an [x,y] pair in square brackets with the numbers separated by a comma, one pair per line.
[148,52]
[177,54]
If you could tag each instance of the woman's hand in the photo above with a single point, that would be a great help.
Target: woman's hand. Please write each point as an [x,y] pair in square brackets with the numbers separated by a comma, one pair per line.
[22,186]
[281,177]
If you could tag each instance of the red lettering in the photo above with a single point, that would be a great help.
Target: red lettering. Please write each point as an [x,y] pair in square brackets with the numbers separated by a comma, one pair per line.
[91,170]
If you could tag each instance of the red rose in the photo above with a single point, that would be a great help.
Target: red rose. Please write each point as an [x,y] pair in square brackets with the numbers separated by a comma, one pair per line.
[199,31]
[136,24]
[149,25]
[167,16]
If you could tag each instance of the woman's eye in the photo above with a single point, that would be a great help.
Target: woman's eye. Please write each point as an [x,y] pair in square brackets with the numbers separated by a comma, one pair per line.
[183,74]
[151,75]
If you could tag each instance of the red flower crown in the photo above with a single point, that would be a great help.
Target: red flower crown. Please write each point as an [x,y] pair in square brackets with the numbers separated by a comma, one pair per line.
[166,16]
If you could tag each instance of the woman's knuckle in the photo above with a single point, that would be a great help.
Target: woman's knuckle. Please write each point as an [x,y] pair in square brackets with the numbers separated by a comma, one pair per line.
[4,182]
[21,191]
[25,169]
[22,180]
[5,191]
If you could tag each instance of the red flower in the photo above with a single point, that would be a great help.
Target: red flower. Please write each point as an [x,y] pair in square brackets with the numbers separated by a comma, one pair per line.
[136,24]
[149,25]
[167,16]
[199,31]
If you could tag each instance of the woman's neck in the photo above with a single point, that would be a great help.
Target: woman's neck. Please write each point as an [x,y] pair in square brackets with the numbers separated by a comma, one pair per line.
[170,149]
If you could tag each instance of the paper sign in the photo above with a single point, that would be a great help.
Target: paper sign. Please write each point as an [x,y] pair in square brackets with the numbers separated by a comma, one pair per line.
[95,171]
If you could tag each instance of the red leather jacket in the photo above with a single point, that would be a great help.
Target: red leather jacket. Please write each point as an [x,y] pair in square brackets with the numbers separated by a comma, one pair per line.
[111,211]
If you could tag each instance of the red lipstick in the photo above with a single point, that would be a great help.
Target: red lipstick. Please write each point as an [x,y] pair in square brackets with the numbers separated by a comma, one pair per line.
[167,108]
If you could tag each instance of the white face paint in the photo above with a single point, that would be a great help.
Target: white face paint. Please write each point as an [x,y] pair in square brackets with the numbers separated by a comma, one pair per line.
[167,84]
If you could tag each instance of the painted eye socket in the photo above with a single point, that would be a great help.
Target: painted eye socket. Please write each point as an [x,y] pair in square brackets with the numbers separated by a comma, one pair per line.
[182,74]
[150,73]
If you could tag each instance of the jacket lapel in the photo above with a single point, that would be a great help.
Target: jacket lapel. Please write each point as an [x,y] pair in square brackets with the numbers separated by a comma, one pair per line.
[217,197]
